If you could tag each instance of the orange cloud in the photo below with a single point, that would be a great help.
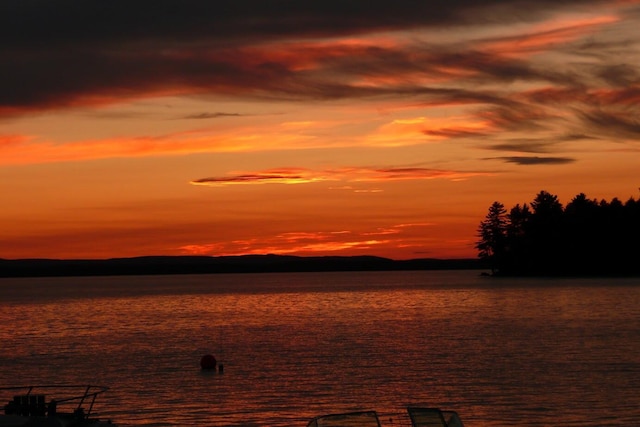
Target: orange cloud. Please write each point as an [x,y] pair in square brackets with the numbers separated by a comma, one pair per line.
[8,142]
[303,134]
[272,176]
[409,236]
[349,174]
[303,243]
[20,150]
[412,173]
[548,35]
[305,55]
[397,229]
[419,130]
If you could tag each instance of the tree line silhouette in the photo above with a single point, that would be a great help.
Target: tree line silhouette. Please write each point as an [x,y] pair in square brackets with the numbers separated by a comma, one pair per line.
[587,237]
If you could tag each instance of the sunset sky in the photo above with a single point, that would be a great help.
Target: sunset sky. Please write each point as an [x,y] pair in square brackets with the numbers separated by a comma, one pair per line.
[195,127]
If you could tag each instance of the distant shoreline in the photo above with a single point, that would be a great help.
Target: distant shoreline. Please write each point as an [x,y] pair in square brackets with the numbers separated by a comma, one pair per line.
[164,265]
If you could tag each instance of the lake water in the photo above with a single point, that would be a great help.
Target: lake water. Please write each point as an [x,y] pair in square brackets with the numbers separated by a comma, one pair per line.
[501,352]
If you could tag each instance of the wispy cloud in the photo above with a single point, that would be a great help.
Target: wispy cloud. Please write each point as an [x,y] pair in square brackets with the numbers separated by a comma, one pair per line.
[294,175]
[414,173]
[206,116]
[296,50]
[538,74]
[312,242]
[307,243]
[25,149]
[397,229]
[535,160]
[272,176]
[624,124]
[10,141]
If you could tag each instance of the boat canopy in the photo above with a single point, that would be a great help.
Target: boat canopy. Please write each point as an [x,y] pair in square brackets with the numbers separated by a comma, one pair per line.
[433,417]
[418,415]
[349,419]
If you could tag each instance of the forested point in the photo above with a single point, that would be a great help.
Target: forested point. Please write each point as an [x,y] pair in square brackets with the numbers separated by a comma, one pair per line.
[586,238]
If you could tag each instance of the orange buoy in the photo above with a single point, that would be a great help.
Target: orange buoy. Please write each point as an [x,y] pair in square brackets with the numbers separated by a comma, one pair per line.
[208,362]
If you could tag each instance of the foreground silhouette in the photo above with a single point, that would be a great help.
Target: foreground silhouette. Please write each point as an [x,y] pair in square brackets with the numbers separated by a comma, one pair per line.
[587,237]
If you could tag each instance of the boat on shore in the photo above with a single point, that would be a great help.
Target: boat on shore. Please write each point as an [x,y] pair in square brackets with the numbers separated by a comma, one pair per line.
[416,416]
[51,406]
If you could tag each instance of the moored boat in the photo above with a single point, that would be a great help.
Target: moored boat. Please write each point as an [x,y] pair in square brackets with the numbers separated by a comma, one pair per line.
[416,416]
[51,406]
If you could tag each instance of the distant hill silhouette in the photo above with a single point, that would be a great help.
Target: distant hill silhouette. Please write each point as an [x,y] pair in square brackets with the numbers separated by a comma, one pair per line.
[152,265]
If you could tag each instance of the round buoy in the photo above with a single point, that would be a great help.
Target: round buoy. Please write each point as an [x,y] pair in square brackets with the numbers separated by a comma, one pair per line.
[208,362]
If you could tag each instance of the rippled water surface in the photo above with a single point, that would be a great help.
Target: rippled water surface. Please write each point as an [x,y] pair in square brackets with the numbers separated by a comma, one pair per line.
[501,352]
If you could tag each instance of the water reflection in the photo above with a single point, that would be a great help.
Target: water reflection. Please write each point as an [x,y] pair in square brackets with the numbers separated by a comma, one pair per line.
[301,345]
